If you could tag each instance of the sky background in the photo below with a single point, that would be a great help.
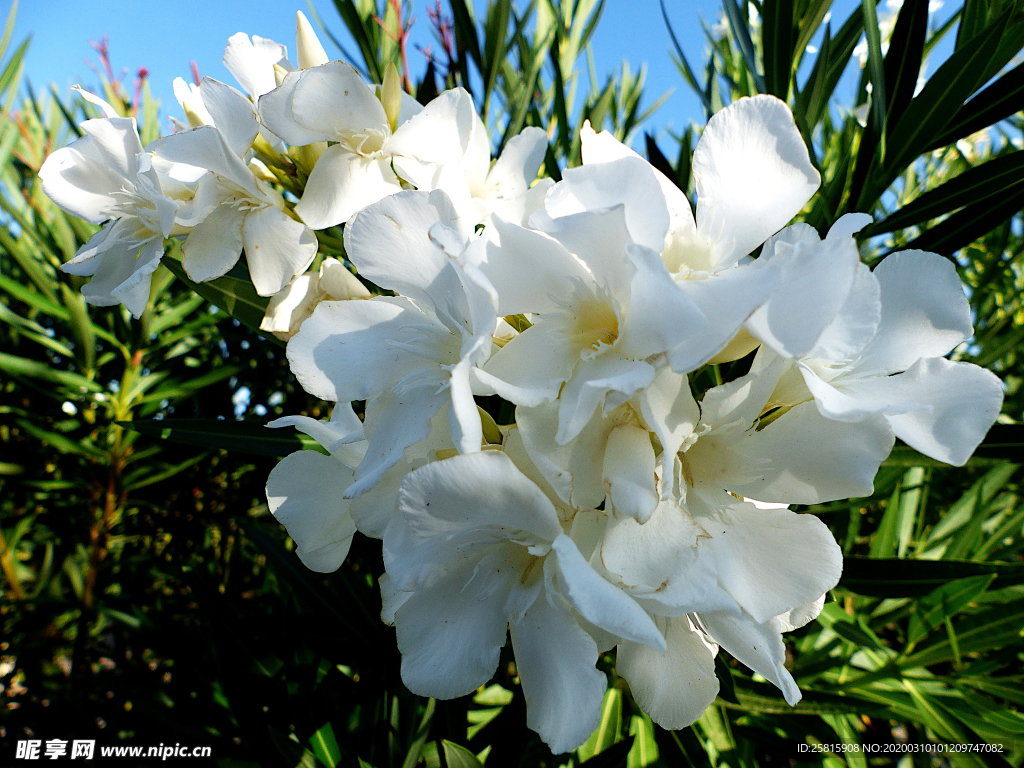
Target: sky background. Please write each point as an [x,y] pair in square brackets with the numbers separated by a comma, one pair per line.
[165,37]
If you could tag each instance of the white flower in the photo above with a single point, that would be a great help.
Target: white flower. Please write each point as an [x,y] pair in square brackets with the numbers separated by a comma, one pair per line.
[881,357]
[305,491]
[752,174]
[477,550]
[252,62]
[410,354]
[288,308]
[332,103]
[607,307]
[107,177]
[479,188]
[232,211]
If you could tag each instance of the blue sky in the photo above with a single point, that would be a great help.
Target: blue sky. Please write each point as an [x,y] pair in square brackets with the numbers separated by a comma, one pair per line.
[165,37]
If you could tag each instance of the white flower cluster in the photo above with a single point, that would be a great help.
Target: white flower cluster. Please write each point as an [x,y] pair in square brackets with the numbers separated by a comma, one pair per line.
[618,510]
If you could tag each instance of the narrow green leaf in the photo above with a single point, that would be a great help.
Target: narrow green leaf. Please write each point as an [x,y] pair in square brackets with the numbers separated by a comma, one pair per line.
[645,747]
[495,46]
[997,102]
[972,222]
[234,293]
[19,366]
[738,24]
[613,757]
[811,19]
[242,436]
[989,181]
[875,66]
[891,577]
[903,59]
[778,40]
[973,18]
[354,22]
[609,729]
[62,443]
[945,92]
[945,602]
[465,33]
[325,746]
[683,64]
[456,756]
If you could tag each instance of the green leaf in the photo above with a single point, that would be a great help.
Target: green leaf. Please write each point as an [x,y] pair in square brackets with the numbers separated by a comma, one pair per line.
[737,18]
[608,730]
[943,603]
[459,757]
[325,746]
[875,67]
[997,102]
[987,183]
[778,40]
[495,46]
[234,293]
[645,747]
[893,577]
[726,686]
[242,436]
[613,757]
[969,224]
[930,111]
[903,59]
[973,18]
[19,366]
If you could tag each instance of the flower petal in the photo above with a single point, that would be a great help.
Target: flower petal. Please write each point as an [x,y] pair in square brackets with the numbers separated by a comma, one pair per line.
[531,367]
[769,560]
[451,634]
[353,350]
[574,470]
[752,174]
[628,473]
[390,244]
[924,312]
[670,411]
[516,260]
[675,687]
[597,600]
[802,458]
[232,113]
[759,646]
[394,421]
[817,278]
[341,183]
[556,661]
[214,245]
[277,249]
[305,492]
[629,182]
[440,133]
[727,299]
[591,381]
[252,62]
[961,402]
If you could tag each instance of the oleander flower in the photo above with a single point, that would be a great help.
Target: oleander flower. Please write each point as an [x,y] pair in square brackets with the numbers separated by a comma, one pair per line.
[881,356]
[331,103]
[234,211]
[107,178]
[477,551]
[331,281]
[752,174]
[410,354]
